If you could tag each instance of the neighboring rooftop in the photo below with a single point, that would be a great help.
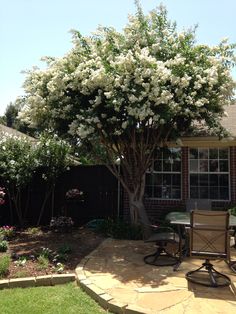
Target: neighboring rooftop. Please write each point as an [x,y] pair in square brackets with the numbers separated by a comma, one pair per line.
[229,122]
[6,129]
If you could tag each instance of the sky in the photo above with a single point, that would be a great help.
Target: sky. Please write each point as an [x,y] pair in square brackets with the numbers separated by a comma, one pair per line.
[31,29]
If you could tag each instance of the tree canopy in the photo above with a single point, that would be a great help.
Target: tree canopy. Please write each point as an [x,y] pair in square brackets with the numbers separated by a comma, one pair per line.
[132,91]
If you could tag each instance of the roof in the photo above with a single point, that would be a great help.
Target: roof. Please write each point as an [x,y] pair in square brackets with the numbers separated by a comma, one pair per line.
[6,129]
[229,122]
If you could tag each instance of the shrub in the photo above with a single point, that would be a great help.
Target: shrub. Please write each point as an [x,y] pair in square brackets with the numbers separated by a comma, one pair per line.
[46,253]
[2,195]
[21,261]
[233,211]
[119,229]
[43,262]
[61,224]
[64,249]
[4,265]
[34,230]
[60,257]
[3,246]
[20,274]
[8,232]
[59,268]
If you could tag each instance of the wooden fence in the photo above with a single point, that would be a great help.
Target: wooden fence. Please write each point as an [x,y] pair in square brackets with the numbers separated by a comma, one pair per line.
[100,189]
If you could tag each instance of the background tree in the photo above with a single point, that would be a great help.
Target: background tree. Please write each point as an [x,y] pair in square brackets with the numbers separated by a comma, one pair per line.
[11,114]
[10,117]
[131,92]
[53,158]
[17,166]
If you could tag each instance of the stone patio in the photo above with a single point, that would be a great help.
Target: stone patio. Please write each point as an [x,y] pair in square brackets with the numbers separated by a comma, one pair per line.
[116,276]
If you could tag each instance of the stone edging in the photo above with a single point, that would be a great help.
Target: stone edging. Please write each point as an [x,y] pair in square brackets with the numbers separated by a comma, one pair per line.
[98,294]
[48,280]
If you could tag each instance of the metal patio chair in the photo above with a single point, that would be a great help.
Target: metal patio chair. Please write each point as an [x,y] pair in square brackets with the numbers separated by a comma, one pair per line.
[168,245]
[209,240]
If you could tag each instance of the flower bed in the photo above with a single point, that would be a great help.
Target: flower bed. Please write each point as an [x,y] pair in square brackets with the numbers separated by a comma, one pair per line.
[35,252]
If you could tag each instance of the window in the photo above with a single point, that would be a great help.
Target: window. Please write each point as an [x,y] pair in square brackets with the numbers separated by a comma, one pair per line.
[209,173]
[163,180]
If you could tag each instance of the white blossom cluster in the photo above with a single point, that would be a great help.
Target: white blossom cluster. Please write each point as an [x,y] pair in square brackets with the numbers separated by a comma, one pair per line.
[149,75]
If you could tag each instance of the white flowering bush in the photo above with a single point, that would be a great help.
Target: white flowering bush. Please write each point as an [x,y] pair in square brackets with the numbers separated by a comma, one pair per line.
[52,154]
[133,91]
[2,195]
[19,160]
[17,165]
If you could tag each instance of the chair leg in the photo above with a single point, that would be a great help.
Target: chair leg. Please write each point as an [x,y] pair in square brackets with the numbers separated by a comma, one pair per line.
[213,276]
[160,258]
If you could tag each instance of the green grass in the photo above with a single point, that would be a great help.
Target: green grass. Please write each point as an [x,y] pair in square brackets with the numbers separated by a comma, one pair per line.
[61,299]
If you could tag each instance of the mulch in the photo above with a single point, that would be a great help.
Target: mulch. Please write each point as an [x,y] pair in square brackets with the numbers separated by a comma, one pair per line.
[27,245]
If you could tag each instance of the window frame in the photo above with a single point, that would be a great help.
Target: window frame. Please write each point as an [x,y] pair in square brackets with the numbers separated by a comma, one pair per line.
[209,172]
[168,172]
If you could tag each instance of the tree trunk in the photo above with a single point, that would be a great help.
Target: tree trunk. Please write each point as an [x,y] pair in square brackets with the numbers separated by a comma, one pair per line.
[46,197]
[137,210]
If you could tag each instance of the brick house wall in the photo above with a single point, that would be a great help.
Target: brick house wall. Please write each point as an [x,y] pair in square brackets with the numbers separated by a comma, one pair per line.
[157,208]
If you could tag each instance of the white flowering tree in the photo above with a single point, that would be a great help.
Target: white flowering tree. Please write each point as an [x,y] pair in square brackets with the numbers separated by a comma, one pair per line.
[53,155]
[132,91]
[17,166]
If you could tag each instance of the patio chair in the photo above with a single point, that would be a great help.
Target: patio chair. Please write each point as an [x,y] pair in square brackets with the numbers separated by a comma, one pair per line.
[209,240]
[168,245]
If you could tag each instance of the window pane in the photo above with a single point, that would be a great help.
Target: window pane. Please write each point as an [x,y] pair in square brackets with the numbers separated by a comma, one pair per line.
[214,166]
[224,166]
[203,165]
[223,153]
[166,165]
[209,173]
[214,179]
[224,193]
[157,165]
[157,179]
[193,165]
[166,153]
[148,191]
[166,179]
[203,180]
[203,192]
[203,153]
[148,179]
[176,194]
[224,180]
[214,193]
[194,192]
[176,166]
[176,154]
[194,180]
[161,182]
[176,179]
[193,153]
[213,152]
[157,191]
[166,192]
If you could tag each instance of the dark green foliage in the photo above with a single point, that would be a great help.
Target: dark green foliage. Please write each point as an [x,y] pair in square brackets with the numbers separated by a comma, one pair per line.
[233,211]
[64,249]
[119,229]
[3,246]
[4,264]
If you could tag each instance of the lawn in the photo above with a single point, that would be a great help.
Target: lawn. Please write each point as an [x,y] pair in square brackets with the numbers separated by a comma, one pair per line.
[60,299]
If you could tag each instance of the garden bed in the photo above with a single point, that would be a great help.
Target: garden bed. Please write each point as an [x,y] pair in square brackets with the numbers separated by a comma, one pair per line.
[36,252]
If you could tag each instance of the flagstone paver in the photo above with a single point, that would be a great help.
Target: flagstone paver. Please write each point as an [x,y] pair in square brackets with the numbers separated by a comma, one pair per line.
[117,277]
